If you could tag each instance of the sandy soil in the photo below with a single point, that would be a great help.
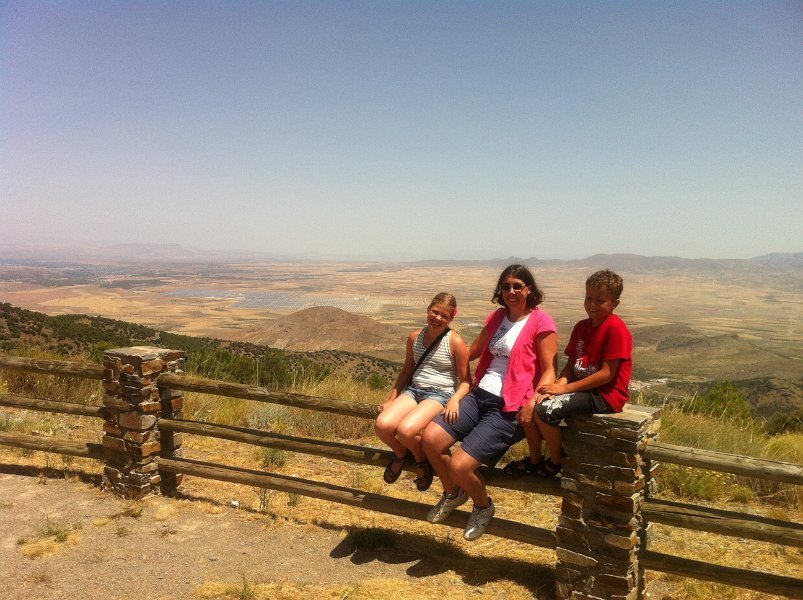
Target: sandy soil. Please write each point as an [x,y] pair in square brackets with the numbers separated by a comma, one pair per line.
[167,548]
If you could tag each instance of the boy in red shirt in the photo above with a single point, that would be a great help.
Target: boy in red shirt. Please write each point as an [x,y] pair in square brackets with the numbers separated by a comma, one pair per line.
[594,380]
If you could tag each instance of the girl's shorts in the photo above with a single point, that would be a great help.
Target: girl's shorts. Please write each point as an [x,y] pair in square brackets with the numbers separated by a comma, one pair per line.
[419,394]
[555,408]
[485,430]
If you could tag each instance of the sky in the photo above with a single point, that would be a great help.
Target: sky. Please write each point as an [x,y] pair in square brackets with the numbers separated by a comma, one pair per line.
[405,130]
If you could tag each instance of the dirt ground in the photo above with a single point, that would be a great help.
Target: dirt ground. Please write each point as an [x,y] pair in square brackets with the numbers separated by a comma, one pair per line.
[164,548]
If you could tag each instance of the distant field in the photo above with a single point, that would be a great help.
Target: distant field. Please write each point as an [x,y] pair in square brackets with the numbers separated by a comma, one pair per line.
[238,301]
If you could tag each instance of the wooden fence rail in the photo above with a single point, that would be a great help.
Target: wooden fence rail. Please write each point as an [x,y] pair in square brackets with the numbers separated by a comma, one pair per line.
[51,444]
[62,368]
[666,512]
[170,385]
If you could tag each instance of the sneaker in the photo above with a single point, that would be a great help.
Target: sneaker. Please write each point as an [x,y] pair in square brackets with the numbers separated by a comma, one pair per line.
[445,506]
[478,521]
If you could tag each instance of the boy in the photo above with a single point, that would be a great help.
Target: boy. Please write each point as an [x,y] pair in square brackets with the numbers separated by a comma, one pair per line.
[594,380]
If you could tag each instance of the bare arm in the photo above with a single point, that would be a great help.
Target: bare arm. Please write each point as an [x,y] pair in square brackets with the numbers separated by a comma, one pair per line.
[406,372]
[601,377]
[478,345]
[460,353]
[547,346]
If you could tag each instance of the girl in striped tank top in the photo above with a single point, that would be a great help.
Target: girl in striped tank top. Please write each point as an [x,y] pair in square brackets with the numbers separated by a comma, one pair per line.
[421,393]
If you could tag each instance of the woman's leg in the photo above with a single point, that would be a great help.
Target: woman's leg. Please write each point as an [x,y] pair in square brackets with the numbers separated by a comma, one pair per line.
[435,442]
[463,471]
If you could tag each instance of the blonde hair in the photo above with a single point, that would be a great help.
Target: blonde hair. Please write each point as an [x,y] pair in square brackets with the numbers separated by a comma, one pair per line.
[446,299]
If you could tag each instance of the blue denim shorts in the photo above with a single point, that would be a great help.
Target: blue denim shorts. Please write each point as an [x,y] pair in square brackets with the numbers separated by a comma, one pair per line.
[420,394]
[485,430]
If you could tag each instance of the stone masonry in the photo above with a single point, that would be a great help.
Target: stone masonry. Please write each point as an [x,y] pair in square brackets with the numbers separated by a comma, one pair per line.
[133,402]
[604,483]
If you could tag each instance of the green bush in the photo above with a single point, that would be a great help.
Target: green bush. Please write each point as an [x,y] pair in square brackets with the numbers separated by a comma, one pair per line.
[722,401]
[788,423]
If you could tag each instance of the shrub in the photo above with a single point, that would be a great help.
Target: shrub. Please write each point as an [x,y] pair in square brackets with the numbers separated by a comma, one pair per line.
[723,401]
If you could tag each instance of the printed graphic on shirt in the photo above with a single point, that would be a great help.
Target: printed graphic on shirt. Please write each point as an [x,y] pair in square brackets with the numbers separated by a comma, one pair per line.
[497,347]
[581,369]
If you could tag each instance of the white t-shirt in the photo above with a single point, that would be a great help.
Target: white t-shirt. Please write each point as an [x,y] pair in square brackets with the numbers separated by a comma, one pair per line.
[500,347]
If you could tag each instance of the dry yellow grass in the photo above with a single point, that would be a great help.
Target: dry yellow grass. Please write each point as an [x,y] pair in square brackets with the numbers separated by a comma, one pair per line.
[490,567]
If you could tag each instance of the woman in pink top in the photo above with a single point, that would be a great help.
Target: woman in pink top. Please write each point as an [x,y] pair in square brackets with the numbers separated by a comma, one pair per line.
[517,349]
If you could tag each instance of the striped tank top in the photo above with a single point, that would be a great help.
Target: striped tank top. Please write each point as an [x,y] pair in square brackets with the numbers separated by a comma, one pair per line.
[438,371]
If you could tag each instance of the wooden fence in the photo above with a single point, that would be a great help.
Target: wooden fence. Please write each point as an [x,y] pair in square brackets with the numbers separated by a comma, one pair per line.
[607,509]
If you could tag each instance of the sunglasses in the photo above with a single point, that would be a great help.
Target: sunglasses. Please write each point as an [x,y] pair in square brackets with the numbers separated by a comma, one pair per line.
[516,287]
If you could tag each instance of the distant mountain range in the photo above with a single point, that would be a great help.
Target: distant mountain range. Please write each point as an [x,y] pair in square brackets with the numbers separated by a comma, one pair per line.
[108,251]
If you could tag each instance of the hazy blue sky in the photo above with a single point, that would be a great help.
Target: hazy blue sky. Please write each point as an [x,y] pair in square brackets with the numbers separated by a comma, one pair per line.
[405,130]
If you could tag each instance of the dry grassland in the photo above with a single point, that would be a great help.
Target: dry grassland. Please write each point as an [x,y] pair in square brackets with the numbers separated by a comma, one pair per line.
[766,314]
[378,556]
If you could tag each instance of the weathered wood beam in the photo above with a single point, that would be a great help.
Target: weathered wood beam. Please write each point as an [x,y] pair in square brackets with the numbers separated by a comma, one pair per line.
[743,578]
[49,444]
[248,392]
[365,455]
[771,470]
[519,532]
[724,522]
[67,408]
[62,368]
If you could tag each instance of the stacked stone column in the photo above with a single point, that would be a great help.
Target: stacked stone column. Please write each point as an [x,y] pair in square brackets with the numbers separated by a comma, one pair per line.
[604,485]
[131,440]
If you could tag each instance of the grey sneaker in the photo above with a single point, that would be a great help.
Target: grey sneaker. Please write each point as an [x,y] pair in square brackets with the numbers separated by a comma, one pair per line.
[445,506]
[478,521]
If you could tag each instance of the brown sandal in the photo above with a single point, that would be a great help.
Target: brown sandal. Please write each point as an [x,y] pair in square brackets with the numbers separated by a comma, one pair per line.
[390,476]
[423,481]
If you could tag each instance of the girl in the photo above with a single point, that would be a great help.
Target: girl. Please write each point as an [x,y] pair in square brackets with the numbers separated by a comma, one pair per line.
[437,360]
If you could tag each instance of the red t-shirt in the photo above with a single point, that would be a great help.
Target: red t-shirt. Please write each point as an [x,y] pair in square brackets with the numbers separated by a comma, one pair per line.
[588,347]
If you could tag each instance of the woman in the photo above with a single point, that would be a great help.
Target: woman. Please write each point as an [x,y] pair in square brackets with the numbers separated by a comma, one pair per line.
[517,349]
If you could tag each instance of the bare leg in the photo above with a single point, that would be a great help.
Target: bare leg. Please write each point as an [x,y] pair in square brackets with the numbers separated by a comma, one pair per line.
[436,442]
[409,430]
[553,437]
[534,439]
[463,470]
[388,422]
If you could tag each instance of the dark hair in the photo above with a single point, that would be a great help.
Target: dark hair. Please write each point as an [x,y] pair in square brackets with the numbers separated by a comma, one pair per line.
[534,298]
[606,280]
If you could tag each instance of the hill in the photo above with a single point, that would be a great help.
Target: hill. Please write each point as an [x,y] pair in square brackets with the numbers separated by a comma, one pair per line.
[693,361]
[330,328]
[337,341]
[83,334]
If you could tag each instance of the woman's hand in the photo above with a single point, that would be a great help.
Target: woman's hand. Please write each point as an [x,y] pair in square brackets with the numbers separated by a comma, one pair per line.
[452,410]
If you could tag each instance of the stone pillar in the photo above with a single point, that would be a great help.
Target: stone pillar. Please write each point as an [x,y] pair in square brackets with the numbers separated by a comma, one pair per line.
[601,529]
[131,439]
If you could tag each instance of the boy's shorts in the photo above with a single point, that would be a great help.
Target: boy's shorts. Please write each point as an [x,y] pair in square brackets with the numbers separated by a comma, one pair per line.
[486,432]
[419,394]
[555,408]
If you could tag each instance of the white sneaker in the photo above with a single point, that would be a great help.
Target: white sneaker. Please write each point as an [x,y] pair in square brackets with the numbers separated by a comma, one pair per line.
[478,521]
[445,506]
